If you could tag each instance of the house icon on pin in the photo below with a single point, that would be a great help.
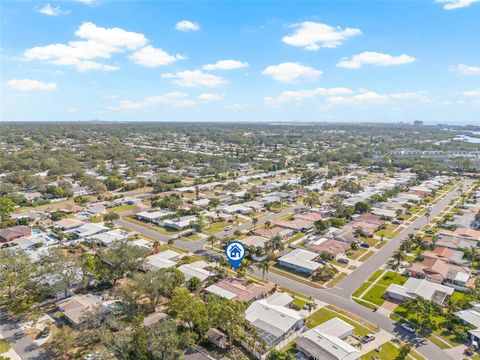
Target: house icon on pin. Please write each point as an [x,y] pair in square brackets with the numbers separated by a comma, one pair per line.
[235,252]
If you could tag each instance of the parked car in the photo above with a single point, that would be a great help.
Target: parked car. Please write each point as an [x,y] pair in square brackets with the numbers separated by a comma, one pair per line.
[228,228]
[367,338]
[408,327]
[364,245]
[44,333]
[343,261]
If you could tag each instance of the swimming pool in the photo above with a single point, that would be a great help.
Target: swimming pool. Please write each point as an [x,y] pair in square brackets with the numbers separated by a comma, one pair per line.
[37,232]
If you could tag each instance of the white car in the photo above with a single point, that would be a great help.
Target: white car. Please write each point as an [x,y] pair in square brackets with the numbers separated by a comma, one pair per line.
[407,327]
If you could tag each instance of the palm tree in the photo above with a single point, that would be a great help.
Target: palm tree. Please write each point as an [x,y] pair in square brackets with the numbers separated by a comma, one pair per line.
[264,266]
[254,222]
[212,239]
[398,256]
[171,241]
[244,267]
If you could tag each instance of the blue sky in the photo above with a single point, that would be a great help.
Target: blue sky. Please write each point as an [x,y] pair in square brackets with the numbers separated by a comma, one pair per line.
[378,61]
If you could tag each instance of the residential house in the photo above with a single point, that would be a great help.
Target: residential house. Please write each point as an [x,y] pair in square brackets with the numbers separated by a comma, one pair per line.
[88,229]
[68,224]
[180,223]
[441,271]
[77,306]
[333,248]
[309,216]
[300,260]
[153,216]
[272,232]
[423,288]
[275,323]
[195,269]
[163,260]
[296,225]
[327,341]
[14,232]
[237,289]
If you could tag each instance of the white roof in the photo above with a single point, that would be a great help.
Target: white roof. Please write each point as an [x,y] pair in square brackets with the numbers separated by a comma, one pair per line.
[214,289]
[301,258]
[89,229]
[470,316]
[419,287]
[162,260]
[274,319]
[155,214]
[195,269]
[328,336]
[108,237]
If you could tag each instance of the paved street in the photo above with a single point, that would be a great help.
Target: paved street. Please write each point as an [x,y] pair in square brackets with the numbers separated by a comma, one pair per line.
[23,345]
[340,295]
[348,285]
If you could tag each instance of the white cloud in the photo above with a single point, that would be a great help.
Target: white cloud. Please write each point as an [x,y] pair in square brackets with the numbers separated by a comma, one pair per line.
[98,42]
[236,106]
[371,97]
[312,35]
[289,72]
[72,110]
[226,65]
[152,57]
[53,11]
[186,25]
[467,69]
[375,58]
[472,93]
[211,97]
[28,84]
[456,4]
[195,78]
[174,98]
[300,95]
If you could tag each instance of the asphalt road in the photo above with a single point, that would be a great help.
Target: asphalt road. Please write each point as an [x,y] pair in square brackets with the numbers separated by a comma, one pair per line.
[195,245]
[340,295]
[347,286]
[423,346]
[22,344]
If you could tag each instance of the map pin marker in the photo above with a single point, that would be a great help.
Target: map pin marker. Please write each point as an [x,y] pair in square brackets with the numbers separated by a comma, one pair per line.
[235,253]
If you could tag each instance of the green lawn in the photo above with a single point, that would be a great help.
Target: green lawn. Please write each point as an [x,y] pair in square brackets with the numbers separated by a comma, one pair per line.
[366,256]
[392,278]
[216,227]
[295,237]
[355,254]
[4,346]
[298,303]
[388,352]
[387,231]
[153,227]
[323,315]
[361,289]
[375,275]
[371,241]
[374,295]
[121,208]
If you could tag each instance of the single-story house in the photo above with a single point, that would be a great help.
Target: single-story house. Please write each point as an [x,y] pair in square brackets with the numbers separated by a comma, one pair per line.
[310,216]
[237,289]
[272,232]
[154,215]
[331,247]
[14,232]
[326,341]
[195,269]
[384,213]
[68,224]
[163,260]
[275,323]
[88,229]
[419,288]
[109,237]
[75,307]
[440,270]
[179,223]
[296,224]
[300,260]
[254,240]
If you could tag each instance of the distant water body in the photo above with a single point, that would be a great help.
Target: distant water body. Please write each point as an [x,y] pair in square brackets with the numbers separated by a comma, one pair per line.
[466,138]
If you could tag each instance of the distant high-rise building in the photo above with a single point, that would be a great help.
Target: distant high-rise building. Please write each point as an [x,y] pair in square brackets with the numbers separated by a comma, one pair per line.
[417,123]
